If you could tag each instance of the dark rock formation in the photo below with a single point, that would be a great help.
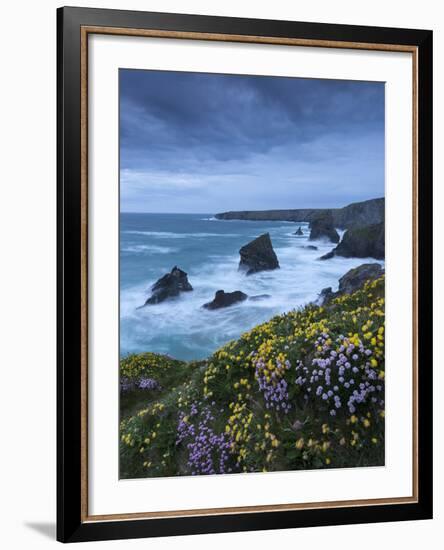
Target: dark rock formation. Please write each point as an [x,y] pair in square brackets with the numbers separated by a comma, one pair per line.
[225,299]
[350,282]
[311,247]
[299,232]
[361,242]
[328,256]
[355,278]
[359,214]
[321,227]
[259,297]
[325,296]
[354,215]
[169,286]
[258,255]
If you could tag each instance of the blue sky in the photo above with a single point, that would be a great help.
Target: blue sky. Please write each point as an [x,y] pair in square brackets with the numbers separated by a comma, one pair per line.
[207,143]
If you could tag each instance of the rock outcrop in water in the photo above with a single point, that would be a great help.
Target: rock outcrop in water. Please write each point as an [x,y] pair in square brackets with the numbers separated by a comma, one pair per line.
[361,242]
[321,227]
[225,299]
[169,286]
[354,215]
[299,232]
[258,255]
[350,282]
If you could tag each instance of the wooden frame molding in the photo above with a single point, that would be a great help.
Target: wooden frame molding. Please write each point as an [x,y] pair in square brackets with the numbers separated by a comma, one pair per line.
[86,31]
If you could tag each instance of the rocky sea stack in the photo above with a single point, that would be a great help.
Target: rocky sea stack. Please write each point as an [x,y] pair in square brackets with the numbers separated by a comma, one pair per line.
[361,242]
[299,232]
[225,299]
[258,255]
[169,286]
[322,227]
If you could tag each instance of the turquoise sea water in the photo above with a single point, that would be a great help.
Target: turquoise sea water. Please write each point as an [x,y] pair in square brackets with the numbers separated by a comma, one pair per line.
[208,250]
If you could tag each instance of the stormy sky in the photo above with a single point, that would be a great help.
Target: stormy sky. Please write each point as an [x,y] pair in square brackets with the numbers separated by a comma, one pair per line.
[207,143]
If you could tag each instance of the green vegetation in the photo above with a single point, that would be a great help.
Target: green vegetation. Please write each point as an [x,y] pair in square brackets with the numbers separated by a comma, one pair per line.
[304,390]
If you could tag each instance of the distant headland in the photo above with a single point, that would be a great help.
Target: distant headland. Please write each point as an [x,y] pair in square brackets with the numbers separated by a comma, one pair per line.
[354,215]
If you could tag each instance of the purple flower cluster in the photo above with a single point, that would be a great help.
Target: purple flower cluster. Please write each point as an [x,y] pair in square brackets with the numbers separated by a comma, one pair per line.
[273,385]
[127,385]
[339,378]
[208,452]
[148,384]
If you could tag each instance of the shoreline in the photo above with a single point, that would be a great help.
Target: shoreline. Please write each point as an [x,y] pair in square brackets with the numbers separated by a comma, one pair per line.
[299,280]
[318,302]
[304,390]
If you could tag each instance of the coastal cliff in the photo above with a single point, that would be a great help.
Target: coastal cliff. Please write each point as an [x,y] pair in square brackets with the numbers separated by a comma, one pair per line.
[301,391]
[353,215]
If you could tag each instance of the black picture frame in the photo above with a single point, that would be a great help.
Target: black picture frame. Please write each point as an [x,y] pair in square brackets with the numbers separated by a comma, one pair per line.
[71,523]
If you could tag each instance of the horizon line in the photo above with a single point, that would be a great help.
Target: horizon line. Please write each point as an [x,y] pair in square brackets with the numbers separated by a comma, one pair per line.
[256,210]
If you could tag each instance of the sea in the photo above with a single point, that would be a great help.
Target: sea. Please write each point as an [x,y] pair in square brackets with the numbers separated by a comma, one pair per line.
[208,250]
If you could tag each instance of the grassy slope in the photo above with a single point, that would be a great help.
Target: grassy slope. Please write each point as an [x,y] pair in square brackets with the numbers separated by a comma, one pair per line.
[304,390]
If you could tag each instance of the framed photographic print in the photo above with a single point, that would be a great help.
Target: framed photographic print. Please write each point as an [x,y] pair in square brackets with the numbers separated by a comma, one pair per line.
[245,269]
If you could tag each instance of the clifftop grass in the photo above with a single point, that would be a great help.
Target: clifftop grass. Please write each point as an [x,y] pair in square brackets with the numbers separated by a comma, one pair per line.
[304,390]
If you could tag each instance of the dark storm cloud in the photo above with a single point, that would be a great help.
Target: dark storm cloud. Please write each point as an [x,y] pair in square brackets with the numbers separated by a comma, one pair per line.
[212,135]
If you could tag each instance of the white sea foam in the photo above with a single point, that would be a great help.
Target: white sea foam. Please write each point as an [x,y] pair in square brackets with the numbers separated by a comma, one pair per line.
[148,249]
[171,235]
[183,328]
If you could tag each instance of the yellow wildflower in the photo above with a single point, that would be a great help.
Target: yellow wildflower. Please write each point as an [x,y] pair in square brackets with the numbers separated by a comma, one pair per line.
[325,446]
